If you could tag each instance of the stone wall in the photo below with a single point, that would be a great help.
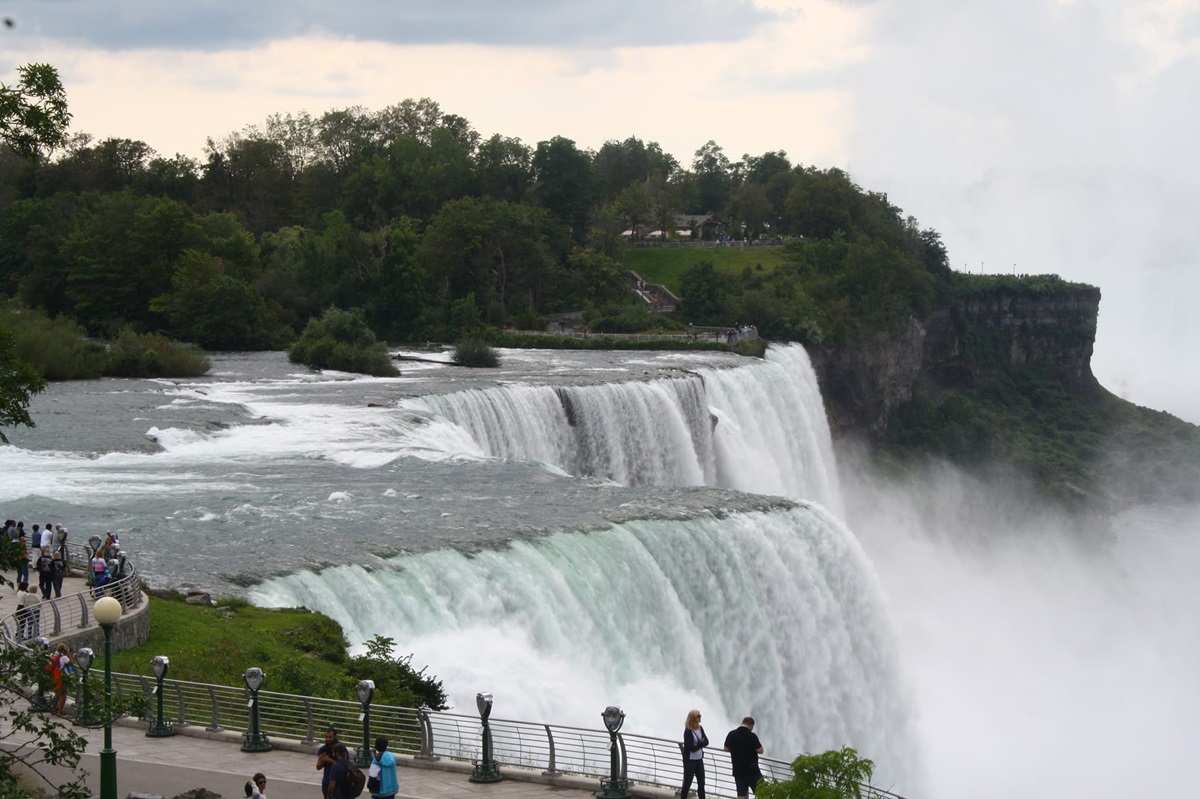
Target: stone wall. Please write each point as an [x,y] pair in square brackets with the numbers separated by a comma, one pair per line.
[130,631]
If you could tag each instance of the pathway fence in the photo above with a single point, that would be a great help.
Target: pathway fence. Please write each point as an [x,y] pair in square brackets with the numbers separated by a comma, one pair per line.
[61,615]
[431,735]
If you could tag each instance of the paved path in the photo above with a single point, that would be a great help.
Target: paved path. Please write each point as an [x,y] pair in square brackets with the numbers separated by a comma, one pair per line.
[169,766]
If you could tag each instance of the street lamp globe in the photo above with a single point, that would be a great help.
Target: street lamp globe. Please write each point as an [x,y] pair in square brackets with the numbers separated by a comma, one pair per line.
[108,611]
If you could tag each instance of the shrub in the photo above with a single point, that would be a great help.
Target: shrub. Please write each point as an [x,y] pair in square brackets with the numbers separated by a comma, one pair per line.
[342,340]
[475,353]
[153,355]
[57,348]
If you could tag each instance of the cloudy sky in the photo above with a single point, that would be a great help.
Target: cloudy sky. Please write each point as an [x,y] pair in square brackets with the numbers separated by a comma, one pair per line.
[1036,135]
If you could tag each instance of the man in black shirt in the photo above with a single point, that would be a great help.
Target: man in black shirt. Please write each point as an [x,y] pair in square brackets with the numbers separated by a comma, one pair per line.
[744,748]
[326,758]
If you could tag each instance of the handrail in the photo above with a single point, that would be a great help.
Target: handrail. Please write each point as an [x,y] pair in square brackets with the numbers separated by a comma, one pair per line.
[73,611]
[427,734]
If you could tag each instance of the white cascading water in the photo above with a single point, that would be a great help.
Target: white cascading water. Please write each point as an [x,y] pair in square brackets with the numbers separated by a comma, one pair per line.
[759,428]
[776,614]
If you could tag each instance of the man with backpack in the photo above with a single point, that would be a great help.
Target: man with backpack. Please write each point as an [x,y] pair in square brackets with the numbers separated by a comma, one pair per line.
[346,779]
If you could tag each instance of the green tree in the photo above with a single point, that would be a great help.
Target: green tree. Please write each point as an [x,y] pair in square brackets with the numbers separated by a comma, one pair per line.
[342,340]
[565,182]
[705,295]
[33,113]
[396,681]
[836,774]
[19,381]
[33,742]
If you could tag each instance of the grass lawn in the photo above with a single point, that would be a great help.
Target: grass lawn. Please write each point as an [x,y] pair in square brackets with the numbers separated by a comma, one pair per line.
[217,644]
[666,265]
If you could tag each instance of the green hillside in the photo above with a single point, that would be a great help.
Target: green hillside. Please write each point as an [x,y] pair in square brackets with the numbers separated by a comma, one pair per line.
[666,265]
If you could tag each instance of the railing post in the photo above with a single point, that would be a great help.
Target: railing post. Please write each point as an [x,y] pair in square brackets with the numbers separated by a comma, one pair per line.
[426,752]
[57,617]
[84,617]
[310,733]
[215,726]
[552,766]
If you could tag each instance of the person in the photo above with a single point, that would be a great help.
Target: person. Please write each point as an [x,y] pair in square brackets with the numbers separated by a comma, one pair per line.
[744,748]
[26,618]
[339,772]
[60,571]
[60,539]
[383,768]
[326,757]
[694,741]
[256,785]
[47,539]
[23,563]
[99,572]
[45,570]
[61,666]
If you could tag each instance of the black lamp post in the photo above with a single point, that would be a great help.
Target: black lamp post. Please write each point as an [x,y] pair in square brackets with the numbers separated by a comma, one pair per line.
[83,714]
[366,692]
[255,740]
[486,769]
[614,787]
[108,613]
[38,703]
[160,728]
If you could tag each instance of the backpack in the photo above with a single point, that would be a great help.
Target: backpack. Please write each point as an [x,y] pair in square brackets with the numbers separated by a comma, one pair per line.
[355,780]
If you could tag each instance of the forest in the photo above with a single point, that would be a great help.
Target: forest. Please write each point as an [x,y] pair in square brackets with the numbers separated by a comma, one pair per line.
[410,217]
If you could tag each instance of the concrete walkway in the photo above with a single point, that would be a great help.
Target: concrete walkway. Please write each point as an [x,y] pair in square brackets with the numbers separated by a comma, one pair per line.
[195,758]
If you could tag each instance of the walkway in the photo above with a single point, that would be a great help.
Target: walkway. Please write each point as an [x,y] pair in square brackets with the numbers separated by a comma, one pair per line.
[169,766]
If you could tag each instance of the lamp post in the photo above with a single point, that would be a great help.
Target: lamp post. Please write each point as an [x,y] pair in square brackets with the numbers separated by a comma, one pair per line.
[486,769]
[366,692]
[255,740]
[160,728]
[614,787]
[38,703]
[108,612]
[83,716]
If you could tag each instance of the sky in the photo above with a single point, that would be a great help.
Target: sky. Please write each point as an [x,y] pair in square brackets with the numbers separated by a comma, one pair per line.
[1037,136]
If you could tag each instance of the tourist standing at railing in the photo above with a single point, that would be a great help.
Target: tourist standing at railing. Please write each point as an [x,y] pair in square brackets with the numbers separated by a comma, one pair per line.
[60,539]
[744,748]
[326,757]
[23,562]
[60,571]
[45,571]
[47,539]
[28,615]
[694,741]
[382,780]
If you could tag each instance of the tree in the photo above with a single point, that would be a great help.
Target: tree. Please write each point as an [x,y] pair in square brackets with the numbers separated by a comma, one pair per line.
[396,681]
[713,183]
[19,381]
[836,774]
[342,340]
[33,114]
[33,741]
[565,182]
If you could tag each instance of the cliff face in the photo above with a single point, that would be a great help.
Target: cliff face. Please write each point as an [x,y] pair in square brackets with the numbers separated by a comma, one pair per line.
[976,337]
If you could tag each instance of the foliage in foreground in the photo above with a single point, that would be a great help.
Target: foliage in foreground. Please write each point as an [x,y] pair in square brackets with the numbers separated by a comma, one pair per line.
[342,340]
[300,652]
[18,382]
[476,353]
[836,774]
[52,743]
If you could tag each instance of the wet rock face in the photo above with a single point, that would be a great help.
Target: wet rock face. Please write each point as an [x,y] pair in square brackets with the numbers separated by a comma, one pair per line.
[957,347]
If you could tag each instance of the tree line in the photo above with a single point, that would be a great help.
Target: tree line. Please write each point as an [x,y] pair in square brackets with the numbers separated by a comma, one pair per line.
[412,217]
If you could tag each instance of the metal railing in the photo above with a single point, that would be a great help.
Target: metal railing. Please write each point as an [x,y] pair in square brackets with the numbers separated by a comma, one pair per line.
[430,735]
[60,615]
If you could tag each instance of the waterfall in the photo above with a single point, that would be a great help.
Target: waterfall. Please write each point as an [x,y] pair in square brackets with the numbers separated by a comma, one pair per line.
[775,613]
[759,428]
